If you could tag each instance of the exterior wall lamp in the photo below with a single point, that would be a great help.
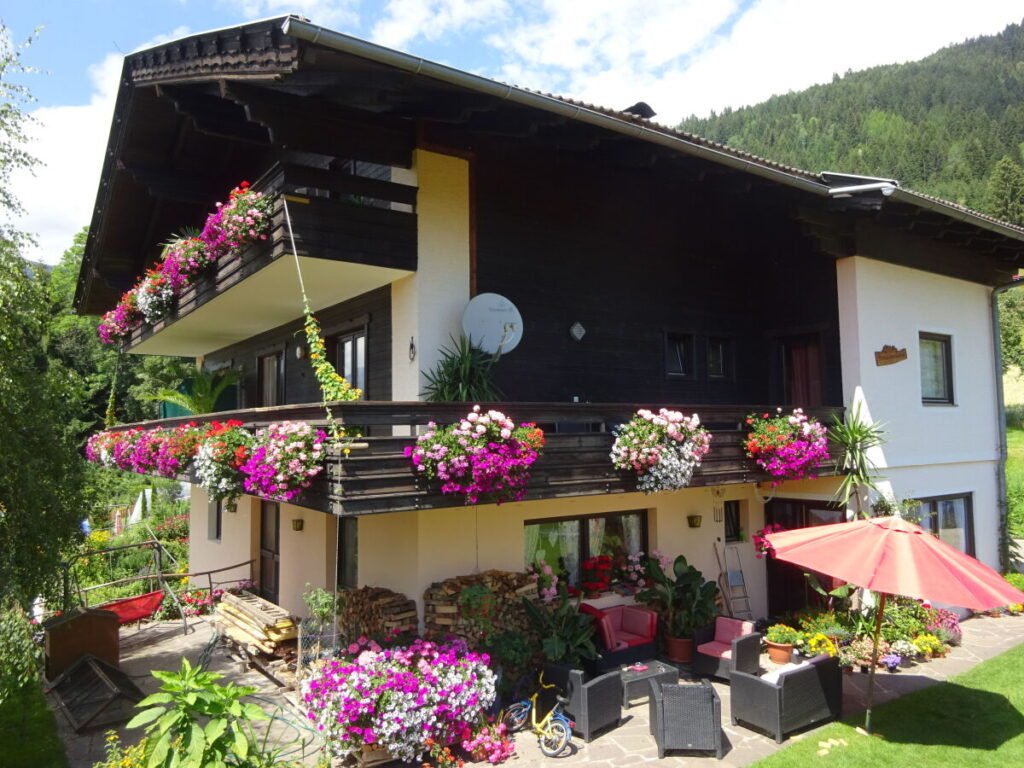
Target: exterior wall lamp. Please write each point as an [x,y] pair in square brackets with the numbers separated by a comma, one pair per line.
[298,524]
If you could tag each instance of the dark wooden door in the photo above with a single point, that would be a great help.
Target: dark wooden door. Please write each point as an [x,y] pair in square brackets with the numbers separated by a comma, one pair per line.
[801,367]
[270,550]
[788,591]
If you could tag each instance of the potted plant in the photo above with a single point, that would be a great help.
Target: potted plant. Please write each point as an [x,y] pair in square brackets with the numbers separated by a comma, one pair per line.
[568,635]
[787,446]
[597,575]
[780,639]
[684,601]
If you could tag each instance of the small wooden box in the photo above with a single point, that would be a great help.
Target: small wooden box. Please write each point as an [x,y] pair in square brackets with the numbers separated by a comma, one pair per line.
[71,635]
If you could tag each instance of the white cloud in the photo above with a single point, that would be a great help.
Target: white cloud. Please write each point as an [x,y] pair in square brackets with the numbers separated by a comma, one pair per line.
[70,141]
[406,20]
[336,13]
[683,58]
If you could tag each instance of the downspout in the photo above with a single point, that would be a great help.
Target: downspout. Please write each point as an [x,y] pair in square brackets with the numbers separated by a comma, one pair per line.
[1003,503]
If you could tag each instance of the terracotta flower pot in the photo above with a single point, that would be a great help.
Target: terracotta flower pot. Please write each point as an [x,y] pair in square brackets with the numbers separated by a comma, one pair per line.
[679,649]
[779,653]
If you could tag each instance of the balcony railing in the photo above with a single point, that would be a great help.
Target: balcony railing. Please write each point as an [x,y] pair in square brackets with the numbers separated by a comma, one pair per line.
[575,460]
[368,225]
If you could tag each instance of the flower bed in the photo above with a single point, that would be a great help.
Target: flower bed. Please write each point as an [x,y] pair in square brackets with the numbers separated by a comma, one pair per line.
[398,699]
[485,457]
[788,447]
[244,219]
[663,448]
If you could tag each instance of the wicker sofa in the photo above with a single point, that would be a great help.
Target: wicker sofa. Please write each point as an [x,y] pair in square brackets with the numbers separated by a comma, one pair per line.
[595,703]
[807,694]
[686,716]
[625,633]
[724,645]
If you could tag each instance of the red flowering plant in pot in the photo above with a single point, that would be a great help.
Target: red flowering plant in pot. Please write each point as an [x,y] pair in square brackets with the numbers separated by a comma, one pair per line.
[222,452]
[597,575]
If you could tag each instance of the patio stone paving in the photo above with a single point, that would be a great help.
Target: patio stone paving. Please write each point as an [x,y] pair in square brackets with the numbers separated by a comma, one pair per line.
[162,646]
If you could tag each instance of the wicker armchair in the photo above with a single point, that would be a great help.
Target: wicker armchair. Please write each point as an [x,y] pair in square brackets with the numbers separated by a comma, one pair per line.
[725,645]
[594,703]
[806,695]
[686,717]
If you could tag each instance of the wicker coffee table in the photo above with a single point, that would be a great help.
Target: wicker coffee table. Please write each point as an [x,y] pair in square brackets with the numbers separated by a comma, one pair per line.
[634,682]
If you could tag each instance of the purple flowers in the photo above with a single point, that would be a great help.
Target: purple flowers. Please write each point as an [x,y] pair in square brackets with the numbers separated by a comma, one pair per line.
[787,447]
[287,456]
[485,456]
[399,699]
[245,219]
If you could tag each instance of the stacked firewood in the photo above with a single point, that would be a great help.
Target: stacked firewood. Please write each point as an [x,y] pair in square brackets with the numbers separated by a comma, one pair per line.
[376,612]
[445,609]
[256,624]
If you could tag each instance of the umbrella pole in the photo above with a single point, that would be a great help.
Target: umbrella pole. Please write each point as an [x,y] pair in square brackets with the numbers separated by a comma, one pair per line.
[874,661]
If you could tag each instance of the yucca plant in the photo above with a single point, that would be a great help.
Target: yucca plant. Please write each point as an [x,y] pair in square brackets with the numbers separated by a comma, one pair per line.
[205,389]
[464,374]
[852,438]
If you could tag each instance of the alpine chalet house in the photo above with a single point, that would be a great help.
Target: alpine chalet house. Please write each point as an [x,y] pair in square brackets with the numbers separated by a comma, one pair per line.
[651,268]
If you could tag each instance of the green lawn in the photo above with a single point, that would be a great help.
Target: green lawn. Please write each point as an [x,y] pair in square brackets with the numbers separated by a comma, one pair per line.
[28,733]
[1015,479]
[972,721]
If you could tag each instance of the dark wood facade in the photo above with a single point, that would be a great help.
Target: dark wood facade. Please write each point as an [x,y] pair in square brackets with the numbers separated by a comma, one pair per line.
[370,312]
[636,256]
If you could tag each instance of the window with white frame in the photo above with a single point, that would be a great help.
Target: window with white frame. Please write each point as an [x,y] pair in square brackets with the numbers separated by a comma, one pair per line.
[936,368]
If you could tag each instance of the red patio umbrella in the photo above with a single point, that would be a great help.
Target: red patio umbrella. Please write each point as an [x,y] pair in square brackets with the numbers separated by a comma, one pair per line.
[894,557]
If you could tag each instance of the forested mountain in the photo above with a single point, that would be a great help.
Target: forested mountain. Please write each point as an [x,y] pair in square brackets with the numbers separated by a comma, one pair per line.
[940,125]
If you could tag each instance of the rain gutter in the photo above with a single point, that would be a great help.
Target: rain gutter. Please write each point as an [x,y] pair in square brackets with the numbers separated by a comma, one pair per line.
[318,35]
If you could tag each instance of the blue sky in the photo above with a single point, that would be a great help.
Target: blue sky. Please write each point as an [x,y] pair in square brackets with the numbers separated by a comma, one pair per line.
[681,56]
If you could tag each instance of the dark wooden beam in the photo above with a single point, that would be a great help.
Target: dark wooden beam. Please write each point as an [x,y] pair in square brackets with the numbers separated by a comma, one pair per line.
[213,115]
[297,122]
[174,185]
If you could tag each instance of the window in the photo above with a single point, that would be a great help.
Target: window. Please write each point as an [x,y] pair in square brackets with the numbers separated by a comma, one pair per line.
[214,520]
[733,521]
[679,357]
[566,542]
[951,519]
[719,357]
[936,369]
[268,383]
[350,357]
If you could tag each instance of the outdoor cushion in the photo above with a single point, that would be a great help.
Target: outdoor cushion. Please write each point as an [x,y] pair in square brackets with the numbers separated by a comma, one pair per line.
[716,649]
[773,676]
[132,609]
[727,630]
[623,626]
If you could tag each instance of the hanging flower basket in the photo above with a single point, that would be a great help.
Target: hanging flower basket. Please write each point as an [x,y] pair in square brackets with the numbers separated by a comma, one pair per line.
[663,448]
[484,457]
[787,446]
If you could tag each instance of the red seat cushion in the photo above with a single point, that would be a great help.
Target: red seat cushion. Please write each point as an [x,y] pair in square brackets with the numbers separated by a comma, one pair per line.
[131,609]
[623,626]
[727,630]
[716,649]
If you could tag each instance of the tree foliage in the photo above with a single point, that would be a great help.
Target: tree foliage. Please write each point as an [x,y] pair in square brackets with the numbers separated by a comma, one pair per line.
[940,125]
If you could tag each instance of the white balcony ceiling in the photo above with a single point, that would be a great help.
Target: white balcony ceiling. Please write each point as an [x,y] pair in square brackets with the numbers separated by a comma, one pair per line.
[263,301]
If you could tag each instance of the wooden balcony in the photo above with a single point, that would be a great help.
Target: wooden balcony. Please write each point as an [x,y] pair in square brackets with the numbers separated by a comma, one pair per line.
[575,460]
[352,234]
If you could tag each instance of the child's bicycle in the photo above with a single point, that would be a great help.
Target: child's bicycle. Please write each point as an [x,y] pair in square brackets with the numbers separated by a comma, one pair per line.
[554,730]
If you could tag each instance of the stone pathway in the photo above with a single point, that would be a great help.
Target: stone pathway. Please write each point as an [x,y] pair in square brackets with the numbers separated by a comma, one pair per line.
[162,646]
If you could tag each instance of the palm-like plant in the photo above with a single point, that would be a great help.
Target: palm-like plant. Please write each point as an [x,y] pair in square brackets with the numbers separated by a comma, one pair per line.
[853,437]
[203,390]
[684,599]
[464,374]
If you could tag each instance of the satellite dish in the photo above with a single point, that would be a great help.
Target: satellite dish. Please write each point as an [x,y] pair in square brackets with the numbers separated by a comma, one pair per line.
[493,323]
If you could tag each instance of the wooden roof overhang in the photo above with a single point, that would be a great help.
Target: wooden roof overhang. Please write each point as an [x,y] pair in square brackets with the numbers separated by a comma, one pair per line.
[195,116]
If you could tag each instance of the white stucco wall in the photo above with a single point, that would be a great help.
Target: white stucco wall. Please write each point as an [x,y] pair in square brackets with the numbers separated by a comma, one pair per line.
[930,450]
[238,543]
[407,551]
[427,306]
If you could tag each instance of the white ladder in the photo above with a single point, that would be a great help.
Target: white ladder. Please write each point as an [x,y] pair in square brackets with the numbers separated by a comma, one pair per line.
[732,583]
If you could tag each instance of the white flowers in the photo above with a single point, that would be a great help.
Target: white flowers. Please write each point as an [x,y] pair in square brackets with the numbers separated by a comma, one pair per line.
[663,449]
